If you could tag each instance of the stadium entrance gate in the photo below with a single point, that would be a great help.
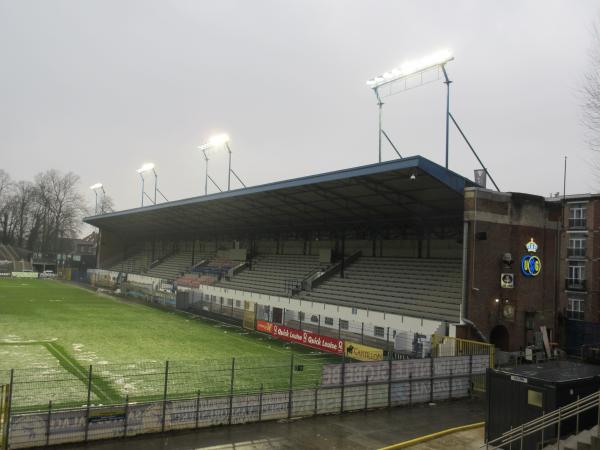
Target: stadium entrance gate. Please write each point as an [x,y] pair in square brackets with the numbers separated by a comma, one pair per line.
[4,415]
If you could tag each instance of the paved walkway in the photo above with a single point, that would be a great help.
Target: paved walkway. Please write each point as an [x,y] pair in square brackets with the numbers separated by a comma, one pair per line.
[358,431]
[464,440]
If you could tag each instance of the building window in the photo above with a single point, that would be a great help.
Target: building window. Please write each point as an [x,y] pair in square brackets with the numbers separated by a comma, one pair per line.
[575,308]
[576,275]
[343,324]
[230,301]
[329,321]
[238,303]
[354,311]
[300,316]
[577,215]
[379,332]
[314,318]
[576,246]
[535,398]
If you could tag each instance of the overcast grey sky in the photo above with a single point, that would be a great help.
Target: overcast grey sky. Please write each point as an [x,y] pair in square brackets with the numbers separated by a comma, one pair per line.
[99,87]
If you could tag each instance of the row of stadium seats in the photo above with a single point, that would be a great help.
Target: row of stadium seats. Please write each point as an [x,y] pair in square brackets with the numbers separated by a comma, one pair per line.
[273,274]
[135,263]
[173,266]
[427,288]
[168,269]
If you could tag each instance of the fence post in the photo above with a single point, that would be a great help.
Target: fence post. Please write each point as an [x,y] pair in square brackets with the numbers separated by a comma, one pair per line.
[522,433]
[339,329]
[300,314]
[366,392]
[558,431]
[197,407]
[389,383]
[387,343]
[48,422]
[319,325]
[165,393]
[431,374]
[126,415]
[577,419]
[470,375]
[450,385]
[543,427]
[231,389]
[410,389]
[9,408]
[291,383]
[316,399]
[89,399]
[362,332]
[260,401]
[343,384]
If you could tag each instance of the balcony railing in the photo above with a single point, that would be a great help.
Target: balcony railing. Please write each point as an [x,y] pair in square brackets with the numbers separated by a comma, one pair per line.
[575,284]
[577,252]
[577,223]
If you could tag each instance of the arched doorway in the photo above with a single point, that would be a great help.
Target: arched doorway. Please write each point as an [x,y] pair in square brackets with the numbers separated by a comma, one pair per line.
[499,337]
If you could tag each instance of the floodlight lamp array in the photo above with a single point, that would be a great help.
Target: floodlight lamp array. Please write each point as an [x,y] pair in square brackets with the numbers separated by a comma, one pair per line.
[213,142]
[145,168]
[411,67]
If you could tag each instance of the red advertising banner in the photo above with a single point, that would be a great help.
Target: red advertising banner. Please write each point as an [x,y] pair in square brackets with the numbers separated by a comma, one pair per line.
[265,327]
[309,339]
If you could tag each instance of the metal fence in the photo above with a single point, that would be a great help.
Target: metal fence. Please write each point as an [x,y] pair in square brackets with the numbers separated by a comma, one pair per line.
[126,400]
[398,343]
[450,346]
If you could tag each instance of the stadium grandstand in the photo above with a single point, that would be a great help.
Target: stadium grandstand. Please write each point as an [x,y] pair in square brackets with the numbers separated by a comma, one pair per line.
[379,245]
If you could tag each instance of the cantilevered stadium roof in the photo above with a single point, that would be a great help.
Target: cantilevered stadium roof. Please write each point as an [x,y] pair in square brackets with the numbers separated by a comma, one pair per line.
[410,190]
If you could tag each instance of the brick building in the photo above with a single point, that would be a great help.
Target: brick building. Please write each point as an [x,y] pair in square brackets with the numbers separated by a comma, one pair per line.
[505,231]
[579,255]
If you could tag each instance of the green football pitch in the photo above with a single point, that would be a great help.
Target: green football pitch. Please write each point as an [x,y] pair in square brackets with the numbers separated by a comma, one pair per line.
[52,332]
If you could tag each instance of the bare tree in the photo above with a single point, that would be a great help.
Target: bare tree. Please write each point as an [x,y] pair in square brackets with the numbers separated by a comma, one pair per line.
[60,207]
[591,92]
[106,204]
[5,191]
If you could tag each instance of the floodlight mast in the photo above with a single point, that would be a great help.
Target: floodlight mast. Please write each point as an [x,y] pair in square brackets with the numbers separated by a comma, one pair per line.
[216,143]
[409,69]
[146,168]
[95,188]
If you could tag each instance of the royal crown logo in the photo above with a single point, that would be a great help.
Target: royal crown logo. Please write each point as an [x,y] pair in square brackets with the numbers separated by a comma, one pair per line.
[531,246]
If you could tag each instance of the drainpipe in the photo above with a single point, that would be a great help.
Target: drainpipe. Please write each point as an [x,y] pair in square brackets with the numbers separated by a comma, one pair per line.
[463,305]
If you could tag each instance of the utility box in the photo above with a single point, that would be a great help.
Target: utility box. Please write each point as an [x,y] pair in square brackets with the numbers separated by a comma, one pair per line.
[517,395]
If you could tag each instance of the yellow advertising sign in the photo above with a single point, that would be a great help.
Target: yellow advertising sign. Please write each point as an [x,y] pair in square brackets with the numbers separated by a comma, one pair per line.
[249,315]
[362,352]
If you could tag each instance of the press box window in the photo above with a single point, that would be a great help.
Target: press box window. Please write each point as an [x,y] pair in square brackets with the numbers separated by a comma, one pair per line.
[300,316]
[314,319]
[328,320]
[238,303]
[379,331]
[343,324]
[535,398]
